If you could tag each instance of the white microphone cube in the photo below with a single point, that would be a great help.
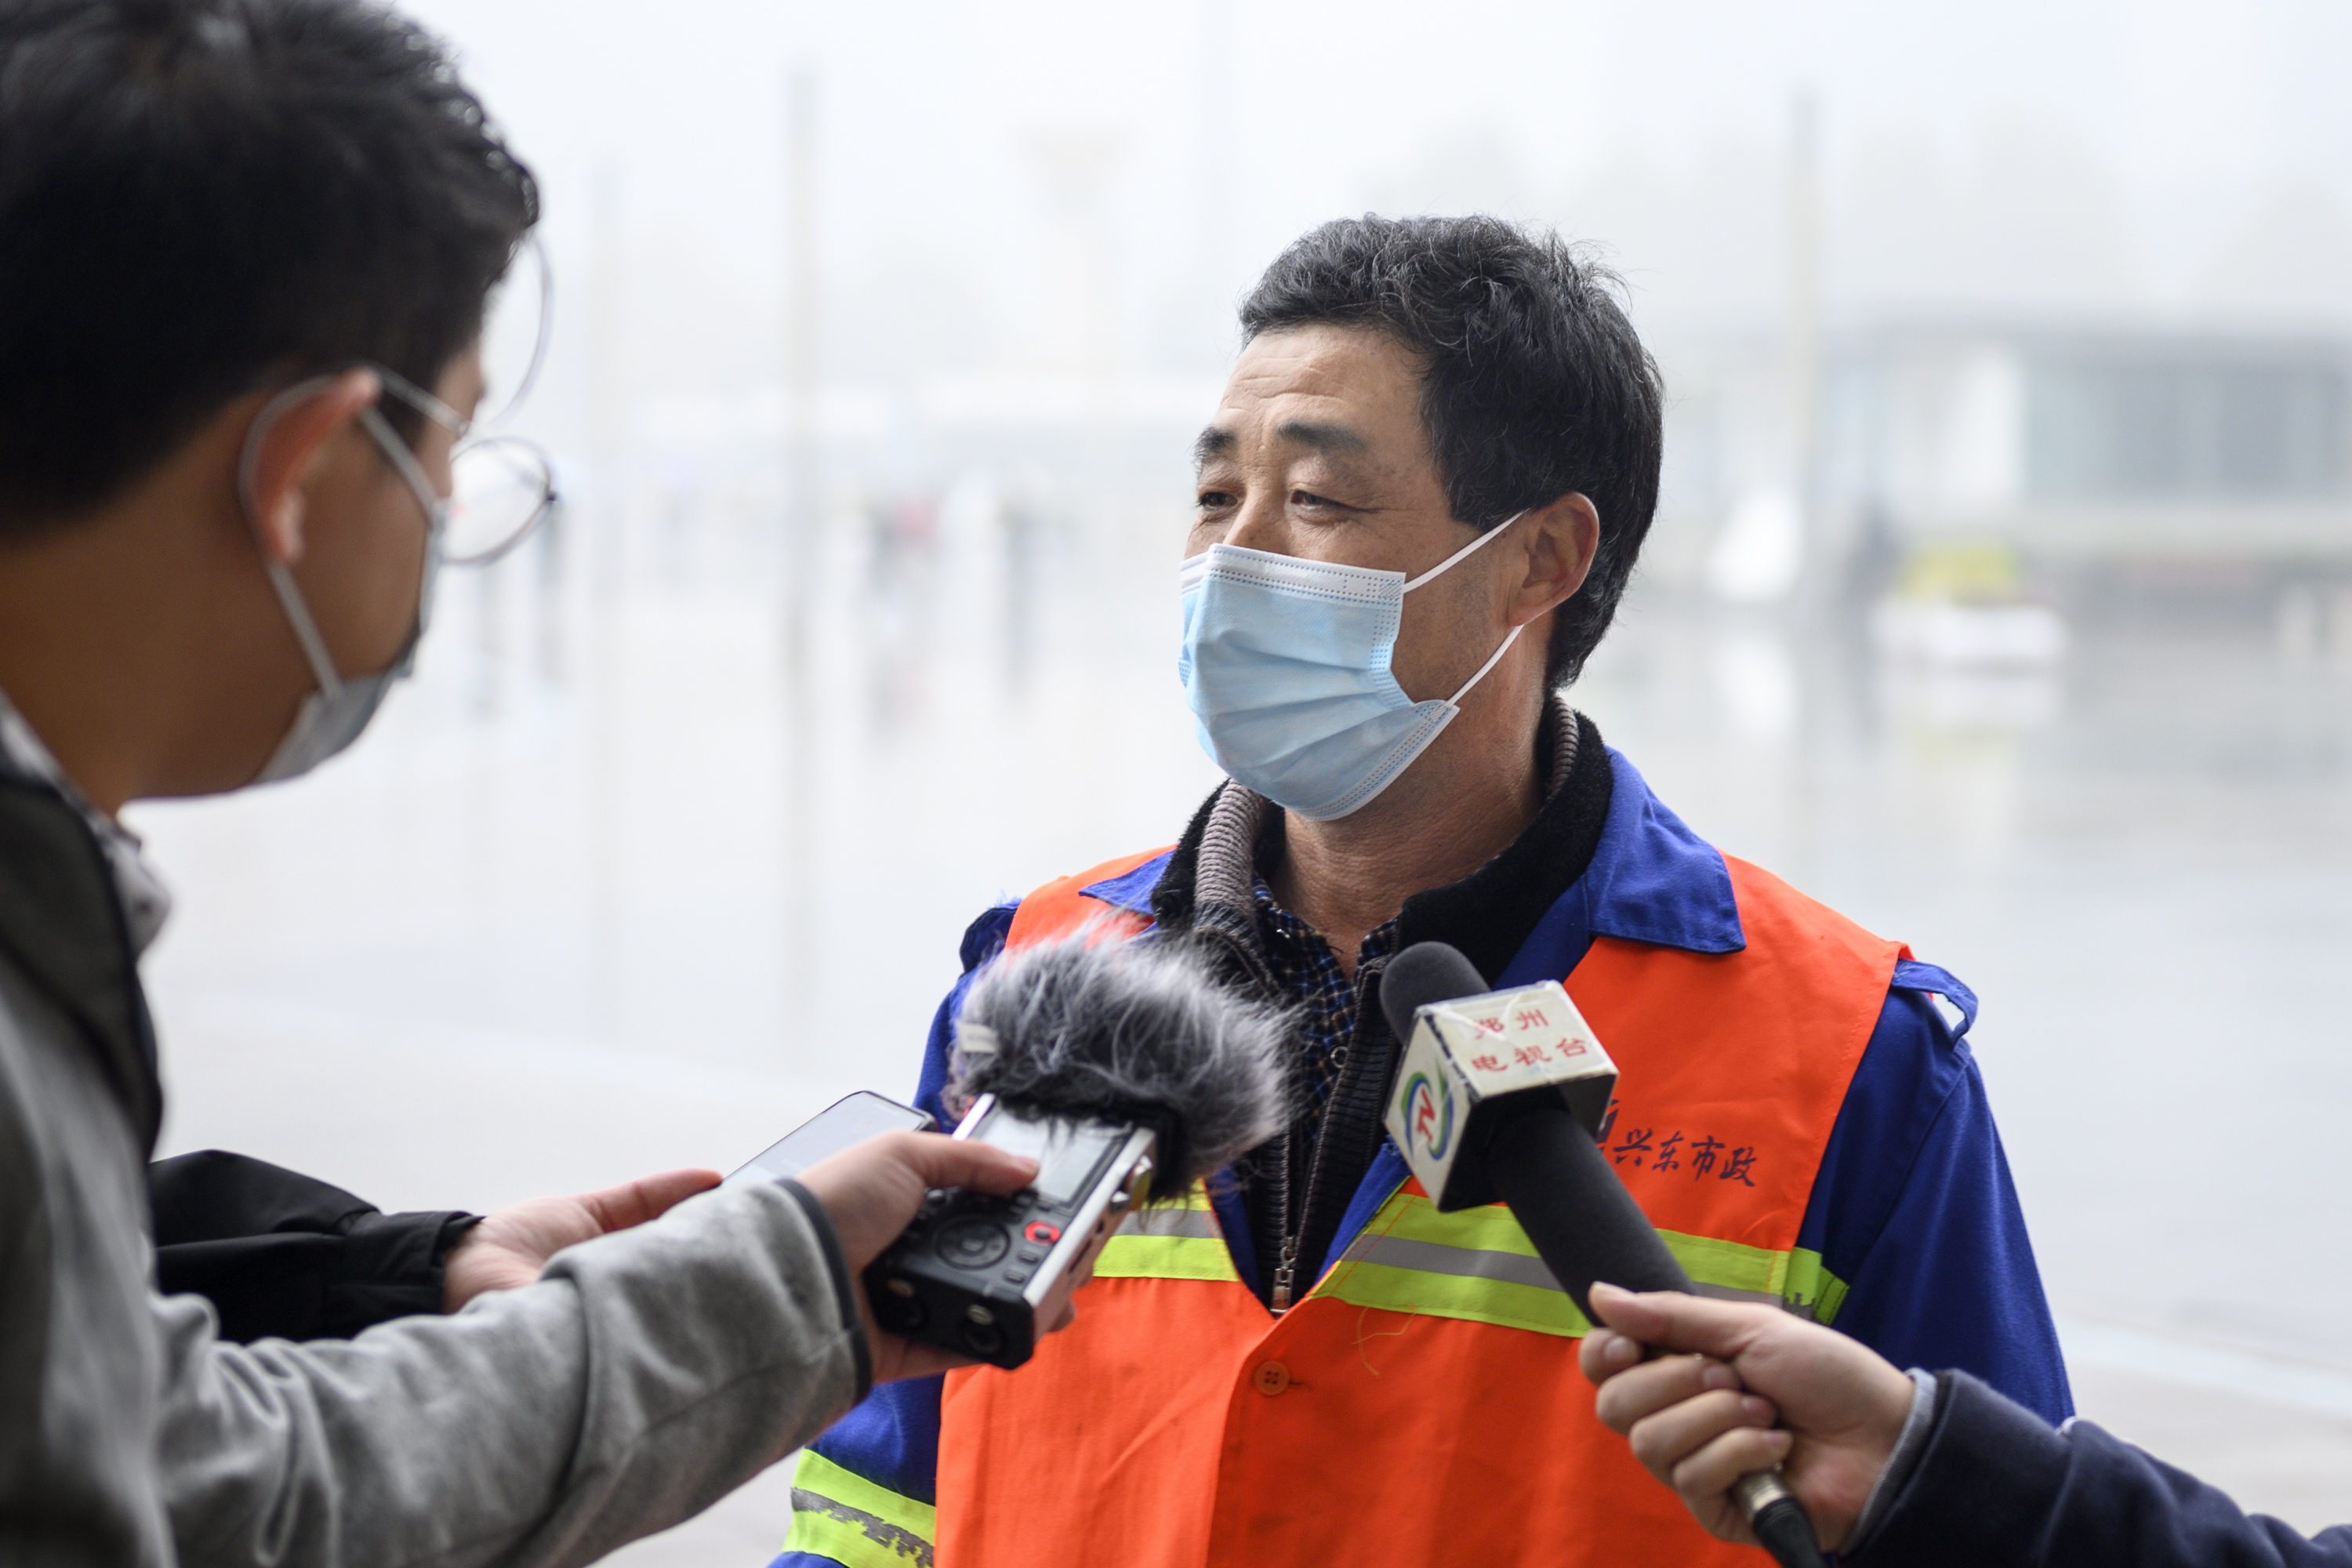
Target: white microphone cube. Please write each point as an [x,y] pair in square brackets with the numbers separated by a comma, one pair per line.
[1467,1057]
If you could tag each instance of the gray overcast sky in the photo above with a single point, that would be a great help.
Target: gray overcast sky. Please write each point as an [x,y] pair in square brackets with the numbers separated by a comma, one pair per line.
[2071,154]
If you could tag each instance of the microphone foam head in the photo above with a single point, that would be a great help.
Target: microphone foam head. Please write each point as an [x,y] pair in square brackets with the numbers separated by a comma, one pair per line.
[1126,1031]
[1424,974]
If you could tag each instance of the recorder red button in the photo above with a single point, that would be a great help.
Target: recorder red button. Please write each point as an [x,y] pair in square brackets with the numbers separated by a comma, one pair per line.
[1042,1232]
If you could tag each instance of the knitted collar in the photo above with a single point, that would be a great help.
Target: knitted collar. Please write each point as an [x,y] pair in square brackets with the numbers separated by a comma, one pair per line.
[1209,879]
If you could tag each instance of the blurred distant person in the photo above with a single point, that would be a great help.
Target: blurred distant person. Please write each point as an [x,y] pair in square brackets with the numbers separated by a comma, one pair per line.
[1911,1471]
[1425,488]
[245,247]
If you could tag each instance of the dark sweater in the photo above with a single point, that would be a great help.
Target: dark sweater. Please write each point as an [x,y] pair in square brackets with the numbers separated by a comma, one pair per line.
[285,1256]
[1995,1484]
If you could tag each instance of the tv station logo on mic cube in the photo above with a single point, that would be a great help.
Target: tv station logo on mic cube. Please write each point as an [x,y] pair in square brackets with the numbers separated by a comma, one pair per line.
[1467,1055]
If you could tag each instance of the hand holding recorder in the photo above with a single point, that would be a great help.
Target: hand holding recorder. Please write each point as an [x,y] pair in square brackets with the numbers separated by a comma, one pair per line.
[1108,1074]
[873,1190]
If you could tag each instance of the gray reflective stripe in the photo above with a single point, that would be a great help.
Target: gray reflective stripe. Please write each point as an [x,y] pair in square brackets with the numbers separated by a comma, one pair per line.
[1434,1257]
[1199,1223]
[1515,1268]
[897,1540]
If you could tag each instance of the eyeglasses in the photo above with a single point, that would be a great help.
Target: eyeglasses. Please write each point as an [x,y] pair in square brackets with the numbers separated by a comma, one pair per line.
[502,487]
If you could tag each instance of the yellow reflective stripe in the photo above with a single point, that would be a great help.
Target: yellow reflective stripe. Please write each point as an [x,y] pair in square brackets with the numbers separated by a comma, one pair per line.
[1810,1288]
[1795,1279]
[1176,1240]
[1196,1196]
[1126,1257]
[1363,1283]
[1488,1228]
[1479,1265]
[858,1523]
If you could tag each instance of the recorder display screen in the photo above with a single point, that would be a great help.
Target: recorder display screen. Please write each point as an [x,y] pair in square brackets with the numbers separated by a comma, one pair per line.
[1066,1151]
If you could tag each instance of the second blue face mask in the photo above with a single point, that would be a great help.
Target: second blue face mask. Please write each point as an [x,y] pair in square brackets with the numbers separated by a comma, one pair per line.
[1285,668]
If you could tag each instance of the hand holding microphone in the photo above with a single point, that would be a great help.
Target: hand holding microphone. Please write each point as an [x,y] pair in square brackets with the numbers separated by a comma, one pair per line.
[1701,1421]
[1475,1125]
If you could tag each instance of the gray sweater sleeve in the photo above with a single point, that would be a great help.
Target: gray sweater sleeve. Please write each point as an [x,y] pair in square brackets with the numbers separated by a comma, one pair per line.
[645,1376]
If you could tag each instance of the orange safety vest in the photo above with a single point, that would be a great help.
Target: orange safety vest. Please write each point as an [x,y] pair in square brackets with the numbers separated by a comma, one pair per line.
[1423,1405]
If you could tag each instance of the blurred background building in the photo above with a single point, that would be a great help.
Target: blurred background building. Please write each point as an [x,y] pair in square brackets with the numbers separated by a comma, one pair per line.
[2000,592]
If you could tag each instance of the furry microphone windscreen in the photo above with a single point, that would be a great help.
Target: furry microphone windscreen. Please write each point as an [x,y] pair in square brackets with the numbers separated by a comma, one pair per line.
[1125,1031]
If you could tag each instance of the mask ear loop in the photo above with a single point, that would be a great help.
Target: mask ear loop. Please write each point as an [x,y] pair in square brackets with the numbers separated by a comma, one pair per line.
[290,596]
[1470,548]
[1495,657]
[1492,659]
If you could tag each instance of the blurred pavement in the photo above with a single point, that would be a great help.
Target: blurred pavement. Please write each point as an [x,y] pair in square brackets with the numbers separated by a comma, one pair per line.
[607,891]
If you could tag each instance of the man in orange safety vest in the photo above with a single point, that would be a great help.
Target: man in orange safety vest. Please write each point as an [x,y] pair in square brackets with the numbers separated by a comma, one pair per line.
[1419,501]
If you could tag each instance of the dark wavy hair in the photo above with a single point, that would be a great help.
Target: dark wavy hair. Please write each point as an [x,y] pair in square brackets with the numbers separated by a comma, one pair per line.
[200,198]
[1534,385]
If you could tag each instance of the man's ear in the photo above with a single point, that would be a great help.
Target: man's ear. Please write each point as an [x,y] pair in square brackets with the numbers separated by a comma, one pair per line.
[1561,539]
[284,448]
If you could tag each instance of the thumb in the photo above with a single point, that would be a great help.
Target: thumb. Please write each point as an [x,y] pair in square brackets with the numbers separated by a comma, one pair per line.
[633,1203]
[958,1162]
[1668,1319]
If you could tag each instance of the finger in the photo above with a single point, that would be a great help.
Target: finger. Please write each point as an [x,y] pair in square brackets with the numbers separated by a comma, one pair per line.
[943,1162]
[1644,1391]
[1668,1320]
[1605,1352]
[1664,1440]
[1708,1471]
[915,1359]
[633,1203]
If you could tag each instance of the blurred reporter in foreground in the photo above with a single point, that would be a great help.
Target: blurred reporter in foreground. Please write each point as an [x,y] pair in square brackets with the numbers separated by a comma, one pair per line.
[244,250]
[1901,1469]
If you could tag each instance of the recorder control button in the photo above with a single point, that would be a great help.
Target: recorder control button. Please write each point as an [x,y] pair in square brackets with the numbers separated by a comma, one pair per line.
[1016,1276]
[1044,1233]
[973,1244]
[1029,1255]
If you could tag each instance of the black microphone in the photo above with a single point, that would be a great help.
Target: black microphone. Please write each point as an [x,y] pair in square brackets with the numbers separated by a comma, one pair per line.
[1499,1095]
[1128,1073]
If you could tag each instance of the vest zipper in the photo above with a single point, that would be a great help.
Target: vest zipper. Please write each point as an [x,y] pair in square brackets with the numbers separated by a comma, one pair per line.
[1350,1062]
[1246,959]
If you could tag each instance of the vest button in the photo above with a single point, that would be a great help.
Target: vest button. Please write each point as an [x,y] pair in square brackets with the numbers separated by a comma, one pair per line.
[1270,1378]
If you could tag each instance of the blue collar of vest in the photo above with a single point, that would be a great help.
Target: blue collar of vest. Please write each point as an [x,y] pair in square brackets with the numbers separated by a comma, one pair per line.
[1652,880]
[1131,890]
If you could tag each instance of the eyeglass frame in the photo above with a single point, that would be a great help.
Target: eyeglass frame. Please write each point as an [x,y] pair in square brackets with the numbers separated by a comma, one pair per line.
[402,458]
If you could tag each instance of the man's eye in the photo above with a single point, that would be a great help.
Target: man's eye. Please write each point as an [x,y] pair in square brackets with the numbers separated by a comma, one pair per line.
[1215,501]
[1308,498]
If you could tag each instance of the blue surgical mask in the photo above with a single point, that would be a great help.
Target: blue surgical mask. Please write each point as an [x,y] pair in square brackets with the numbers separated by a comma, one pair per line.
[1285,668]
